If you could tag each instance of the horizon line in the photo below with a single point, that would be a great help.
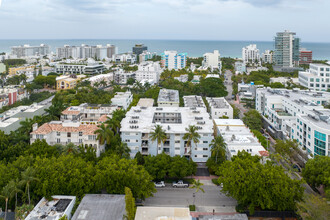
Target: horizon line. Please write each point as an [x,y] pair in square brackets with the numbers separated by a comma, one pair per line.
[153,39]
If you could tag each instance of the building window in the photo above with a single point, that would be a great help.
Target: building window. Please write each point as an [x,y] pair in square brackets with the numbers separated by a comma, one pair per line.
[58,133]
[80,133]
[177,142]
[58,140]
[80,141]
[205,142]
[205,149]
[68,134]
[205,156]
[91,137]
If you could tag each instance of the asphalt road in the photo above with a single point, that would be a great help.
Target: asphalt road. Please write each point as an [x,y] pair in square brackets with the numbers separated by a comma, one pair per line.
[182,197]
[229,84]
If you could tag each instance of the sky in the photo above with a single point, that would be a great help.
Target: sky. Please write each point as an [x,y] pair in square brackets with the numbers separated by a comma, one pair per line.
[257,20]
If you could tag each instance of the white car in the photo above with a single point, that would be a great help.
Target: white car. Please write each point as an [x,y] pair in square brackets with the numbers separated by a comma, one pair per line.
[159,184]
[181,184]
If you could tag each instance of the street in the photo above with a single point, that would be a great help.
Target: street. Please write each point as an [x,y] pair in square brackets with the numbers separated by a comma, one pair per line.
[183,197]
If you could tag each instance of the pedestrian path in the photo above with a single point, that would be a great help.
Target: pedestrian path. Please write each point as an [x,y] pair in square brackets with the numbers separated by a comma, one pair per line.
[205,177]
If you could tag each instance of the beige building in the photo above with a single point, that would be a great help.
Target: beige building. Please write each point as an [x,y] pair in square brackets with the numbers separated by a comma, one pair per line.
[68,81]
[162,213]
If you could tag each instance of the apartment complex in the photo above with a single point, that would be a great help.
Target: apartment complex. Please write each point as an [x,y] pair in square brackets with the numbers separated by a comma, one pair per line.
[124,58]
[239,138]
[298,115]
[90,69]
[9,95]
[106,78]
[212,60]
[193,101]
[168,98]
[305,56]
[68,81]
[28,51]
[148,71]
[139,49]
[219,107]
[2,68]
[65,132]
[250,54]
[240,67]
[84,52]
[139,123]
[145,56]
[173,60]
[14,70]
[121,76]
[267,56]
[88,113]
[122,99]
[286,52]
[317,77]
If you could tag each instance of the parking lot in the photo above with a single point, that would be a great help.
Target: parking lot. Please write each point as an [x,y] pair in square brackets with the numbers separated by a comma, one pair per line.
[183,197]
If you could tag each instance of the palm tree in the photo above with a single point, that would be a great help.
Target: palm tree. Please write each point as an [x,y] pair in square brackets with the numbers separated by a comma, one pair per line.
[158,134]
[28,176]
[198,186]
[96,84]
[14,186]
[104,134]
[23,78]
[122,150]
[6,194]
[70,148]
[191,136]
[103,83]
[218,147]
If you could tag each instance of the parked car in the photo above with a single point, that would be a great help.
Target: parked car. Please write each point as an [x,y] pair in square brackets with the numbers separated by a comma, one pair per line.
[266,135]
[181,184]
[159,184]
[296,167]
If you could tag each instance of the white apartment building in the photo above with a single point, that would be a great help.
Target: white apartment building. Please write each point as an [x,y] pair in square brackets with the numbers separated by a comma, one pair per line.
[122,99]
[267,56]
[212,60]
[124,58]
[11,94]
[219,107]
[193,101]
[182,78]
[65,132]
[139,123]
[145,56]
[88,113]
[173,60]
[121,76]
[298,115]
[91,69]
[317,77]
[28,51]
[148,71]
[168,98]
[250,54]
[239,138]
[84,52]
[108,78]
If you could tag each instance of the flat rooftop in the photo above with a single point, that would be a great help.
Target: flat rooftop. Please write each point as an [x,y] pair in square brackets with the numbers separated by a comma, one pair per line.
[162,213]
[146,102]
[217,102]
[101,207]
[193,101]
[168,95]
[172,119]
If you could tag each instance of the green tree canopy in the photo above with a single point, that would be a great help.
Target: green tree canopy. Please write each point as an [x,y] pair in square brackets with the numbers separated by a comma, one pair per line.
[253,120]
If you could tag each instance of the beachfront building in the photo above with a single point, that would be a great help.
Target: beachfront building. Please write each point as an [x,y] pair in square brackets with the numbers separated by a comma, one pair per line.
[28,51]
[68,81]
[173,60]
[317,77]
[139,49]
[238,138]
[212,60]
[297,115]
[139,123]
[267,56]
[250,54]
[305,56]
[148,71]
[193,101]
[286,52]
[122,99]
[65,132]
[84,52]
[220,108]
[168,98]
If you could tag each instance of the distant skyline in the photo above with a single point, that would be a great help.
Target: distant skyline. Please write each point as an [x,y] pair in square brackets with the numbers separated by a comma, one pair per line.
[233,20]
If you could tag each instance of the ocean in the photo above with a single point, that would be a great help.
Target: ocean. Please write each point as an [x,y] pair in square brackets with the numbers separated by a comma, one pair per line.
[194,48]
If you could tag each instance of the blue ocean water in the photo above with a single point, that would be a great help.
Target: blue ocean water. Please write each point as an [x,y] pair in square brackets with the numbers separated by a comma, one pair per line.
[194,48]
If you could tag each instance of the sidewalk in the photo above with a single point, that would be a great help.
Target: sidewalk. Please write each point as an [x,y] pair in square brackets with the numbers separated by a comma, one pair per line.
[205,177]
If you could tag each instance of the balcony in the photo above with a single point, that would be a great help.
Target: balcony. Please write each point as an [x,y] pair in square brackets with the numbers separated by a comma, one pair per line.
[145,136]
[145,151]
[187,150]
